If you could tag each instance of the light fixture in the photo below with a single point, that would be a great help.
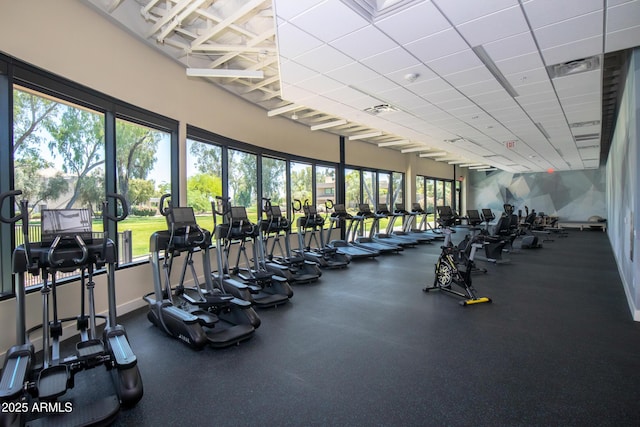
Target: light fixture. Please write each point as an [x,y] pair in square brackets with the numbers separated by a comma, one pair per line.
[411,77]
[483,56]
[328,124]
[365,135]
[226,73]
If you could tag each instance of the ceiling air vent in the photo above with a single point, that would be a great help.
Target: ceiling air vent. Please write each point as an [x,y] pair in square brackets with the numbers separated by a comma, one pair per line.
[586,137]
[574,67]
[381,109]
[372,10]
[585,124]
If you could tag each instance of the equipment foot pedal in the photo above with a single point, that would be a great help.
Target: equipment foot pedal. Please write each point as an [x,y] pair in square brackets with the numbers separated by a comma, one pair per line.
[53,382]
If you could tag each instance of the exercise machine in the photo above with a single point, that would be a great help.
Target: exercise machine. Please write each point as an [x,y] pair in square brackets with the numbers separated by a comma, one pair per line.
[390,235]
[424,225]
[344,246]
[408,219]
[448,272]
[357,229]
[196,315]
[293,267]
[311,238]
[28,380]
[251,281]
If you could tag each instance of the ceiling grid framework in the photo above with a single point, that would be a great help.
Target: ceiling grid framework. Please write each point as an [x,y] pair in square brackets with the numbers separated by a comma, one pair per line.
[519,85]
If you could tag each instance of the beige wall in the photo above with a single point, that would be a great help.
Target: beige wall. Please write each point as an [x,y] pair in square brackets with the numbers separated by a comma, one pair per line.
[68,38]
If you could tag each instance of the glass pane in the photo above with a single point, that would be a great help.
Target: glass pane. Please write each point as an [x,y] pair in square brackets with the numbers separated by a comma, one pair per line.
[420,191]
[448,200]
[301,182]
[384,189]
[352,190]
[243,182]
[325,187]
[58,153]
[204,179]
[398,189]
[369,189]
[430,207]
[143,163]
[274,180]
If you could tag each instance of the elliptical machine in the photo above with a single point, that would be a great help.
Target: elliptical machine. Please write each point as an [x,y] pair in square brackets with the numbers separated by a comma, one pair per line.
[314,248]
[252,281]
[196,316]
[447,271]
[295,268]
[67,244]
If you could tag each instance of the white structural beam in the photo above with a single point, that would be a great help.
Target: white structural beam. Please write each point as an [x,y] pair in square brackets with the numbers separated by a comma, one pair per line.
[414,149]
[329,124]
[365,135]
[435,154]
[393,143]
[284,109]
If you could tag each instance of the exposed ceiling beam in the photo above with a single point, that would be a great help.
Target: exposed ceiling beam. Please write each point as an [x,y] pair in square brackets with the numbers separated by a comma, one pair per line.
[224,72]
[466,165]
[414,149]
[168,16]
[365,135]
[284,109]
[479,167]
[242,11]
[392,143]
[435,154]
[329,124]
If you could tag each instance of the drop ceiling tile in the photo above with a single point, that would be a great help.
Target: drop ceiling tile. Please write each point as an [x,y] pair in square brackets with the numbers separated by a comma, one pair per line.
[321,84]
[516,64]
[470,76]
[315,21]
[623,39]
[571,30]
[572,51]
[292,72]
[480,90]
[509,47]
[455,63]
[377,85]
[528,77]
[390,61]
[437,45]
[365,42]
[287,9]
[546,12]
[292,41]
[459,11]
[623,16]
[495,26]
[353,74]
[426,87]
[534,98]
[323,59]
[541,87]
[413,23]
[420,70]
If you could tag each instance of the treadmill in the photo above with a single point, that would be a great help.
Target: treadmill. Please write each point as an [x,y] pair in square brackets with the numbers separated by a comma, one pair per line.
[389,235]
[344,246]
[359,236]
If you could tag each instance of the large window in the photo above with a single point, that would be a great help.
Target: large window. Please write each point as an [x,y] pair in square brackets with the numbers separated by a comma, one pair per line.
[352,190]
[384,189]
[59,154]
[204,179]
[325,186]
[243,181]
[274,181]
[301,182]
[369,189]
[398,189]
[143,163]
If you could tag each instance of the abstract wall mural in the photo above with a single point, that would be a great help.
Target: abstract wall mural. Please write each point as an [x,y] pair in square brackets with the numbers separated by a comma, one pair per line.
[570,195]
